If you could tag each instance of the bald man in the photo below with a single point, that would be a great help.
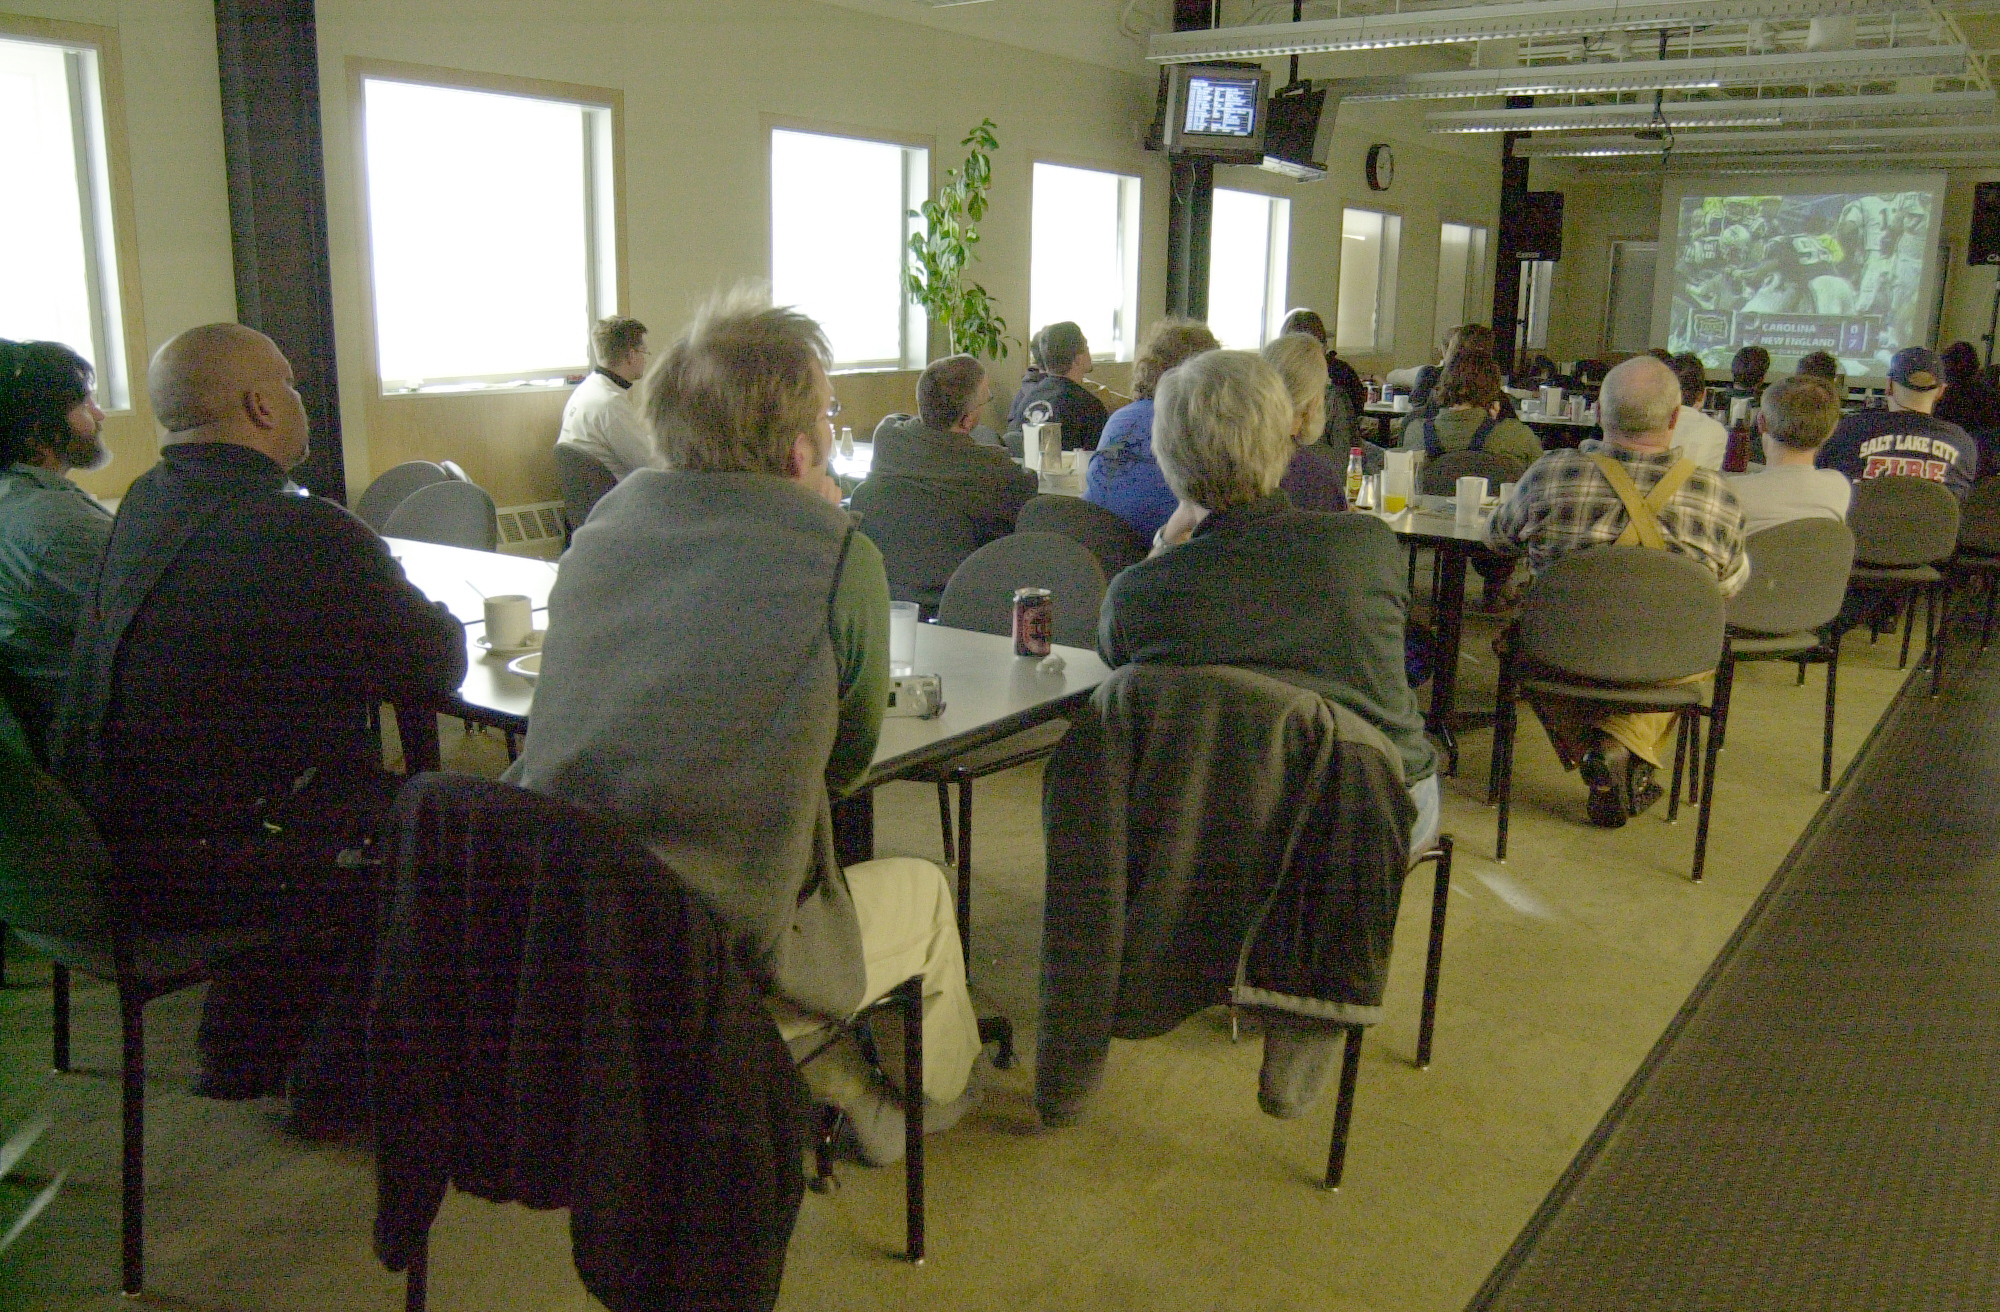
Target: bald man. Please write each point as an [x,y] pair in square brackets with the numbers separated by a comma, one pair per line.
[217,724]
[1572,500]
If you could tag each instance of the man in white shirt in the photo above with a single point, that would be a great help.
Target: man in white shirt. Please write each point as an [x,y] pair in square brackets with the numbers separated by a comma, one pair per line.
[1700,438]
[600,420]
[1795,418]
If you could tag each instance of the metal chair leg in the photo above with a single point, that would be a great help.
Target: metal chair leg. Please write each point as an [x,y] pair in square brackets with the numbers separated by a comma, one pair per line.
[910,996]
[1725,679]
[965,870]
[944,821]
[59,1000]
[1935,632]
[1434,958]
[1680,769]
[1501,776]
[1826,748]
[1343,1112]
[132,1017]
[416,1282]
[1909,626]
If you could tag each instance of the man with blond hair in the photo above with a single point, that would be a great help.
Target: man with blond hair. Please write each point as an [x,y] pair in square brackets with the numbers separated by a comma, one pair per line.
[715,676]
[1795,418]
[217,719]
[1570,501]
[600,418]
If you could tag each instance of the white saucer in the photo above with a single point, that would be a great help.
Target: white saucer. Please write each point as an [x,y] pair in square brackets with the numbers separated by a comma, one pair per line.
[528,667]
[534,644]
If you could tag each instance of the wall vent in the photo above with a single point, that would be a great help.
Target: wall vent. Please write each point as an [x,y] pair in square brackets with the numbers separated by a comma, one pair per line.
[532,530]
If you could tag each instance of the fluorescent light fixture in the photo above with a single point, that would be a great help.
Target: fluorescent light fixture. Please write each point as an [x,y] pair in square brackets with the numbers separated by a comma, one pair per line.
[1787,69]
[1769,112]
[1535,18]
[1908,138]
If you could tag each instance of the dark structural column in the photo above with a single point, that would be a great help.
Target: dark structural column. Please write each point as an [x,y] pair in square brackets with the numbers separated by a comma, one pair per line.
[1190,201]
[1507,270]
[268,54]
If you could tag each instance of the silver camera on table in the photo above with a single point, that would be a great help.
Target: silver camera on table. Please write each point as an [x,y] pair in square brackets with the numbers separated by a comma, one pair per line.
[916,696]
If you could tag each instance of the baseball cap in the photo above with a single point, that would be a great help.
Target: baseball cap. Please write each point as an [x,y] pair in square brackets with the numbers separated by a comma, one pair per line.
[1917,368]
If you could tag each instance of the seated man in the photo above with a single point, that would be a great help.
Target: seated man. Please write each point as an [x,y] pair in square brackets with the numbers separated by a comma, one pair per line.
[599,419]
[1795,419]
[1123,477]
[52,532]
[217,725]
[936,449]
[1746,372]
[1699,437]
[1468,416]
[715,675]
[1573,500]
[1315,599]
[1906,438]
[1052,391]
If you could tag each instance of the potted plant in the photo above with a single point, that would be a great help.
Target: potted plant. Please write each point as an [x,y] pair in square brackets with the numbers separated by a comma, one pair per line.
[938,282]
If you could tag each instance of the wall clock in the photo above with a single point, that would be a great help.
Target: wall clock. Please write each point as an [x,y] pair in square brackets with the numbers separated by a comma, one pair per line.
[1381,167]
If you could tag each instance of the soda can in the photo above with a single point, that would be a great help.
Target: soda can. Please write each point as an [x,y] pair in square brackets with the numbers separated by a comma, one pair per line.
[1034,621]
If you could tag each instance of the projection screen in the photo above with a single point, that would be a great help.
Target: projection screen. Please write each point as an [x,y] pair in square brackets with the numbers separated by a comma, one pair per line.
[1844,264]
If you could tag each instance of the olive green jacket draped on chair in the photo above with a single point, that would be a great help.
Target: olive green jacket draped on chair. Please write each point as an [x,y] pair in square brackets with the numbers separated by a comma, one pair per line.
[1192,810]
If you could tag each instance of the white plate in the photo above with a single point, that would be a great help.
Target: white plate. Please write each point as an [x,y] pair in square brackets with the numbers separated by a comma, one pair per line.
[528,667]
[534,643]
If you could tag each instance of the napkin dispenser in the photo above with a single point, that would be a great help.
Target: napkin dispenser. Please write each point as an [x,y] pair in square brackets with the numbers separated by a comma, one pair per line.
[1041,447]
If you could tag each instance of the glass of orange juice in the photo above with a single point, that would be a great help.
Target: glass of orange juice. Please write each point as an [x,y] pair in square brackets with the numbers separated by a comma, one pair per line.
[1393,504]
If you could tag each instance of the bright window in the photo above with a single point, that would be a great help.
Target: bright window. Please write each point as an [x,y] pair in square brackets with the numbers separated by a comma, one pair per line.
[58,264]
[840,231]
[1249,253]
[1370,248]
[1084,257]
[491,233]
[1461,276]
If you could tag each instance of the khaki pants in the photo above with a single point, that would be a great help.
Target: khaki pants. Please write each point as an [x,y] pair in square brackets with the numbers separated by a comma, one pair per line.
[1573,722]
[909,926]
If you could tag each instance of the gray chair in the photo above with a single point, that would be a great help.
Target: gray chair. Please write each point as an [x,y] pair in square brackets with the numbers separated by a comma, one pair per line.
[1440,477]
[923,533]
[392,487]
[452,514]
[54,870]
[583,479]
[1979,546]
[1581,635]
[1798,578]
[1905,529]
[1110,538]
[980,597]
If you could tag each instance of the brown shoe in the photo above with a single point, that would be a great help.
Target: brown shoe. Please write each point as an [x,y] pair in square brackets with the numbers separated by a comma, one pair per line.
[1607,768]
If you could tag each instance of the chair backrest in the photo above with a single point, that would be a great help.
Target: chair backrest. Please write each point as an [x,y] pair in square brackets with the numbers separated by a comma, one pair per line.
[1110,538]
[1900,521]
[1440,476]
[394,486]
[450,513]
[980,595]
[922,532]
[1979,517]
[1798,577]
[53,865]
[1624,615]
[583,479]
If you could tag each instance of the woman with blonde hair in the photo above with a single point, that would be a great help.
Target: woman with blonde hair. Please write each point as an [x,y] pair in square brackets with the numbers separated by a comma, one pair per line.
[1311,479]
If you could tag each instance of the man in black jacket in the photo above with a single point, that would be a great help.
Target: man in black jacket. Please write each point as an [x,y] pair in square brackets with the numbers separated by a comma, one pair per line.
[216,723]
[1053,391]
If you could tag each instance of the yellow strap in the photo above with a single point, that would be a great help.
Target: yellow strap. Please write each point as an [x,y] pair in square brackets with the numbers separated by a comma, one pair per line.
[1643,512]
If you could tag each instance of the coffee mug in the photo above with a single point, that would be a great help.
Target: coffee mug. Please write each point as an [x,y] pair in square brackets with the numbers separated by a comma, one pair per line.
[509,621]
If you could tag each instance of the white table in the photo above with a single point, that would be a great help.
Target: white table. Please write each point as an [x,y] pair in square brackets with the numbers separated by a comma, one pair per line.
[462,578]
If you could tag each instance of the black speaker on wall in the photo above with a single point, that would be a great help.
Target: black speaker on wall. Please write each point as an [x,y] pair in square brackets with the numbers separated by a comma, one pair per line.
[1533,229]
[1983,246]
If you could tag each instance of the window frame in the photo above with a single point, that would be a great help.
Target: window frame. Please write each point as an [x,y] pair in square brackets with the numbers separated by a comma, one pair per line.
[1387,283]
[1476,276]
[1277,261]
[605,233]
[919,183]
[1131,252]
[110,226]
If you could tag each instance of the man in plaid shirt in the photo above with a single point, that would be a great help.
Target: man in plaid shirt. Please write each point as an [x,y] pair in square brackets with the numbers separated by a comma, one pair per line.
[1565,503]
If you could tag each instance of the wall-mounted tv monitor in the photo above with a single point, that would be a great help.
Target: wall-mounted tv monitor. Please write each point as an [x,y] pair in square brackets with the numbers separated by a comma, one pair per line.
[1217,111]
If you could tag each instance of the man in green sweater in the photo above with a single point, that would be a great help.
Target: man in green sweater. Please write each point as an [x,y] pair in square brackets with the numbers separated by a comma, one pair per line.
[715,675]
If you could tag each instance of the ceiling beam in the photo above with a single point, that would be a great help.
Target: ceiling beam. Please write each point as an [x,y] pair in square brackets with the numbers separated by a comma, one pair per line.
[1793,68]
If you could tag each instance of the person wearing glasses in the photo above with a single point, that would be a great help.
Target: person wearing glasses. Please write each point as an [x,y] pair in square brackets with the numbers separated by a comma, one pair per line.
[715,675]
[600,419]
